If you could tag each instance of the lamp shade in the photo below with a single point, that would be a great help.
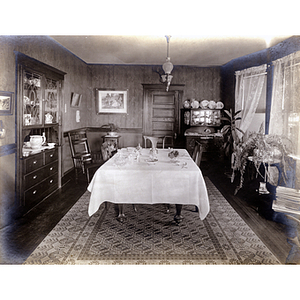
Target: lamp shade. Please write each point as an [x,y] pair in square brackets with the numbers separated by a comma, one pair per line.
[167,66]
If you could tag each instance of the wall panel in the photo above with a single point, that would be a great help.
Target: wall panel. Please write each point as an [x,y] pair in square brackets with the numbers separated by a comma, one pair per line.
[200,83]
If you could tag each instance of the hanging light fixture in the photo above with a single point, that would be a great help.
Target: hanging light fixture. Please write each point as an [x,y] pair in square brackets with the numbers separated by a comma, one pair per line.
[167,66]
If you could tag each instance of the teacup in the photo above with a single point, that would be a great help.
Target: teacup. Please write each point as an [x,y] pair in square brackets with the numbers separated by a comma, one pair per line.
[48,118]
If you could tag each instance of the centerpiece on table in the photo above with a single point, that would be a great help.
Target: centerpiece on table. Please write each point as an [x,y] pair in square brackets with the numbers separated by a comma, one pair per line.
[173,155]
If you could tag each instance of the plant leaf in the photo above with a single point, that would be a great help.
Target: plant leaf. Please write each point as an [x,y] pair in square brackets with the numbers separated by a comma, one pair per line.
[225,119]
[240,130]
[225,128]
[237,112]
[228,113]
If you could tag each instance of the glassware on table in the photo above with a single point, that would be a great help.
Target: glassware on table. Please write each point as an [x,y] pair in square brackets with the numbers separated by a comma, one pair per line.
[153,154]
[120,160]
[139,148]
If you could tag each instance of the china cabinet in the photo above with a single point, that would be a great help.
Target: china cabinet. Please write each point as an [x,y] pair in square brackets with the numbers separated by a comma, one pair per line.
[39,119]
[203,126]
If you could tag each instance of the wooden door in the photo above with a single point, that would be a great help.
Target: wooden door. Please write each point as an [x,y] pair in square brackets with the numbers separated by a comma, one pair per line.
[161,112]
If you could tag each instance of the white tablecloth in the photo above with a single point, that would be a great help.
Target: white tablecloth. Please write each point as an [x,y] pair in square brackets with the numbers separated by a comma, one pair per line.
[141,182]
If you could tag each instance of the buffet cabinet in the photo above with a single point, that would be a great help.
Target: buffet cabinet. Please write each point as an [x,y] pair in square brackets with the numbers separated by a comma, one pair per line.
[40,176]
[203,126]
[212,146]
[39,94]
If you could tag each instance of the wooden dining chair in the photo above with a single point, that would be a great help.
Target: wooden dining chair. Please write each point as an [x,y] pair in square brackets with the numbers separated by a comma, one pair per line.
[196,150]
[167,140]
[197,156]
[153,140]
[162,140]
[83,158]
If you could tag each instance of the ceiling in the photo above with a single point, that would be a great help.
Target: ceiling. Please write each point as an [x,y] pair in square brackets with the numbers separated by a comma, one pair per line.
[152,50]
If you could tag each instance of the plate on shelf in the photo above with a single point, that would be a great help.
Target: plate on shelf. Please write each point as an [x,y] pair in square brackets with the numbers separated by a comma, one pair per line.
[204,104]
[212,104]
[195,104]
[186,104]
[220,105]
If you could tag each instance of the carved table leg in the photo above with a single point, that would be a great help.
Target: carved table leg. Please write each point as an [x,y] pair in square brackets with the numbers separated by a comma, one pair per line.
[178,218]
[121,216]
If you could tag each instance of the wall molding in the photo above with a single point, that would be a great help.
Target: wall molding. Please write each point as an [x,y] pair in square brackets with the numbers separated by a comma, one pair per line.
[8,149]
[99,129]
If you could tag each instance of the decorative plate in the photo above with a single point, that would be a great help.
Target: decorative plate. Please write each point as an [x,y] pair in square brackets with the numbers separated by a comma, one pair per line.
[195,104]
[212,104]
[220,105]
[186,104]
[204,104]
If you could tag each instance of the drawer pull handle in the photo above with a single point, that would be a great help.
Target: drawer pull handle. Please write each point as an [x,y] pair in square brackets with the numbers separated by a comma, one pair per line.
[51,168]
[51,155]
[51,181]
[34,162]
[34,177]
[34,192]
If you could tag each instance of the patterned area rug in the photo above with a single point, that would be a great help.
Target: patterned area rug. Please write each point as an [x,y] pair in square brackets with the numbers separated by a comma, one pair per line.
[150,236]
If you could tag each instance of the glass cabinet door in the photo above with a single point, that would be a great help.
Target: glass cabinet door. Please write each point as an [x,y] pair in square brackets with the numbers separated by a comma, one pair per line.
[33,99]
[51,102]
[205,117]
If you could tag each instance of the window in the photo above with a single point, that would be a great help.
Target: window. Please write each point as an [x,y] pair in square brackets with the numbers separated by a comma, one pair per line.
[285,108]
[250,97]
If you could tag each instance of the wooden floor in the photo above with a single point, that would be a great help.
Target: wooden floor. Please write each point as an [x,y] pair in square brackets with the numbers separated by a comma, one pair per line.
[249,205]
[19,239]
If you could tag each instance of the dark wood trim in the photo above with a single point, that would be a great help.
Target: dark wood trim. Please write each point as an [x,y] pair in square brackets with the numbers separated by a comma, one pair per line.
[8,149]
[173,87]
[148,89]
[99,129]
[37,66]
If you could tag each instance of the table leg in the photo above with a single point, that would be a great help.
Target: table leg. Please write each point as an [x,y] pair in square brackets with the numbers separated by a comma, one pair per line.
[167,208]
[178,217]
[134,207]
[121,216]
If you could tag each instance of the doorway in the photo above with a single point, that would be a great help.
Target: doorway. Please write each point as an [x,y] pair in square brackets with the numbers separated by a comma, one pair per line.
[161,111]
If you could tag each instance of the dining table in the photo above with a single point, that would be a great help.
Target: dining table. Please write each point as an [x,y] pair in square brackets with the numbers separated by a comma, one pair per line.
[148,176]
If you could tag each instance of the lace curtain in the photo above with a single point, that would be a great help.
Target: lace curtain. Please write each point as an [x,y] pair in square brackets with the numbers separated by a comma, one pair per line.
[285,107]
[248,89]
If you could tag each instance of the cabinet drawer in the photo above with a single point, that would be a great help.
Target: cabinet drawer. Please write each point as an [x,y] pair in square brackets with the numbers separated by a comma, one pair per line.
[39,175]
[34,194]
[34,178]
[51,169]
[41,190]
[51,183]
[51,156]
[33,163]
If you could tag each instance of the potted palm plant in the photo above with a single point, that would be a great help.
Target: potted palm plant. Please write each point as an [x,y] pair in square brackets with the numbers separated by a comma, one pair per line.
[231,138]
[230,131]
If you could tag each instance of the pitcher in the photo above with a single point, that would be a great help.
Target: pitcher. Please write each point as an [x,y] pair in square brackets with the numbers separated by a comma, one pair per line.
[36,141]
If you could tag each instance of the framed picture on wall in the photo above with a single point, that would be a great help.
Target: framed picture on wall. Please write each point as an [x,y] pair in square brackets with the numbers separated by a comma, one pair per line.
[6,103]
[76,100]
[109,101]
